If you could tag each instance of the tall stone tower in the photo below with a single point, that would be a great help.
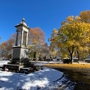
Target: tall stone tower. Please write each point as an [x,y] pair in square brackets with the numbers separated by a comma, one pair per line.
[20,49]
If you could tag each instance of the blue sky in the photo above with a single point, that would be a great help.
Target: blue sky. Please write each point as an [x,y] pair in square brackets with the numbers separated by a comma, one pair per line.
[46,14]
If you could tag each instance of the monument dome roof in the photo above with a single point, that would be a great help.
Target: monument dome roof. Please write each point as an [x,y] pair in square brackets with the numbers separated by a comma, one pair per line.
[23,22]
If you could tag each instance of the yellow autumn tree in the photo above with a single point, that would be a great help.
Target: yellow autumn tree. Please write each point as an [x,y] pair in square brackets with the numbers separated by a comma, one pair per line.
[53,45]
[85,17]
[53,40]
[72,35]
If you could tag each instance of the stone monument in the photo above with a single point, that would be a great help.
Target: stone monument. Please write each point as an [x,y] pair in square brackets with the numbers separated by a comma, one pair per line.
[20,50]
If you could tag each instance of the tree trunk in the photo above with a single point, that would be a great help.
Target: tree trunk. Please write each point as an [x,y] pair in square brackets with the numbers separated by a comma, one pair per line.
[71,52]
[78,55]
[71,57]
[34,54]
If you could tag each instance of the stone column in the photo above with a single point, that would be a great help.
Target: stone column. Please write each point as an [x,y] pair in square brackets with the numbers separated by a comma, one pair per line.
[16,39]
[22,37]
[27,39]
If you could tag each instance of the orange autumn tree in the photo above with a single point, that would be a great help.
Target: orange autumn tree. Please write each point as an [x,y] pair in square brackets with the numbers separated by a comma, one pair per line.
[36,35]
[6,47]
[36,40]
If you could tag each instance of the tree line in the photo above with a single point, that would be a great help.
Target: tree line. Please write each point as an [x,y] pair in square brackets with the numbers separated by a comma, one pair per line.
[36,45]
[72,39]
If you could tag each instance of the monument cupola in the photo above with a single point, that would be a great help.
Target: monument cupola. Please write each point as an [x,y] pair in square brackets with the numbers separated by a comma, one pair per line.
[22,34]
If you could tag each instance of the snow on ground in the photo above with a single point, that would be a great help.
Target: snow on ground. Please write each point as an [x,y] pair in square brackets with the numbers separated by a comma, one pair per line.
[40,63]
[2,62]
[46,79]
[40,79]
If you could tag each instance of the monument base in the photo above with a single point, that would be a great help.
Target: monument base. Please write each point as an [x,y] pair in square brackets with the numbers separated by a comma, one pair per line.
[13,67]
[20,52]
[20,55]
